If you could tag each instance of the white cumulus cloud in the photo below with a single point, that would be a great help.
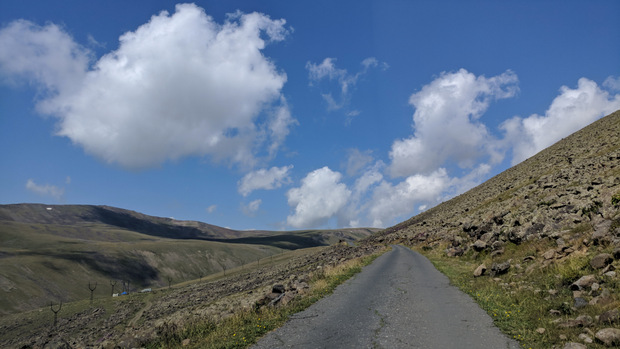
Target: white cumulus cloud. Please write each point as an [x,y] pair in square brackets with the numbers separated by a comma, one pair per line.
[45,190]
[267,179]
[446,126]
[572,110]
[320,197]
[391,201]
[179,85]
[45,56]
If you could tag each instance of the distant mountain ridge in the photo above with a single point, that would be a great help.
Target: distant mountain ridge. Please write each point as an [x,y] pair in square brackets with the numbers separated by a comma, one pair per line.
[113,216]
[81,215]
[45,250]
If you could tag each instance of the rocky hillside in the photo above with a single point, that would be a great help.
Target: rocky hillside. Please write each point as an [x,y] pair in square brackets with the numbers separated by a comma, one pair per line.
[574,182]
[136,319]
[555,216]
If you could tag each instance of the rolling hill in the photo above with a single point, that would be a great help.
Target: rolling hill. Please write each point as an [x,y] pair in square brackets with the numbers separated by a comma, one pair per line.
[46,250]
[538,245]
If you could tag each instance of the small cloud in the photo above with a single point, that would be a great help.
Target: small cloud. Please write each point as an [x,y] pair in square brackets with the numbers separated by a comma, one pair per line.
[92,42]
[252,207]
[356,160]
[211,208]
[68,180]
[328,70]
[267,179]
[45,190]
[612,83]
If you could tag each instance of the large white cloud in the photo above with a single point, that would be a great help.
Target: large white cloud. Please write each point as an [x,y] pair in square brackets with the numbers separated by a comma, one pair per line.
[320,197]
[268,179]
[179,85]
[446,123]
[572,110]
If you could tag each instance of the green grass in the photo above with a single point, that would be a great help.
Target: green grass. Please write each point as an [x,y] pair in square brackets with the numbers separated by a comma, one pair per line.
[245,328]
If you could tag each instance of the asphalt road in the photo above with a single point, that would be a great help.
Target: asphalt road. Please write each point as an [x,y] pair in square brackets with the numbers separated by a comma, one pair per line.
[399,301]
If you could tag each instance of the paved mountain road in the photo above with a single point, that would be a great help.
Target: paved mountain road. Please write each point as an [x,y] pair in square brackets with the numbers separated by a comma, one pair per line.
[399,301]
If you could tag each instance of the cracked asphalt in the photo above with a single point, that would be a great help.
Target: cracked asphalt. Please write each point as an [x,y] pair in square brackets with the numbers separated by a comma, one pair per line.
[399,301]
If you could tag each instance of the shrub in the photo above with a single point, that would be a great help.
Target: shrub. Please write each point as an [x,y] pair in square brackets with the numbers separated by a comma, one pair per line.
[615,200]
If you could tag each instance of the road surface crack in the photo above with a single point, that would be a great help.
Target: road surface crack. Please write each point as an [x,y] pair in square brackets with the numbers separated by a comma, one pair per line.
[382,324]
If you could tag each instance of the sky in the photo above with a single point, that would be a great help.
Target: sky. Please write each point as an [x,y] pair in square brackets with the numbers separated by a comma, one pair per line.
[283,115]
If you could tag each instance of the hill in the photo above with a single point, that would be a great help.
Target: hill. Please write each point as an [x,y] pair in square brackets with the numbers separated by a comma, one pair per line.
[46,251]
[543,235]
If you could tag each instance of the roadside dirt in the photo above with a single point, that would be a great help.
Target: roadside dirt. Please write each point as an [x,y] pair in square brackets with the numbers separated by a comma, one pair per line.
[139,318]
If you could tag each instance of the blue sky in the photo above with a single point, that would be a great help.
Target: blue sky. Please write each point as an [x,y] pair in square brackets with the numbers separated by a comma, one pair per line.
[287,114]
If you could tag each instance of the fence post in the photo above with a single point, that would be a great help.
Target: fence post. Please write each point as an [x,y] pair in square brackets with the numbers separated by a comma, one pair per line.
[113,284]
[92,290]
[55,312]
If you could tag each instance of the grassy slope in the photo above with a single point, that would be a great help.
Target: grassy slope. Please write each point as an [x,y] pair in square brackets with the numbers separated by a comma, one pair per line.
[43,263]
[53,254]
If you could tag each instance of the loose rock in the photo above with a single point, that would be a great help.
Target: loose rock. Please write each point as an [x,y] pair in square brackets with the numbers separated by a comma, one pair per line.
[611,316]
[573,345]
[601,261]
[609,336]
[499,268]
[480,270]
[583,282]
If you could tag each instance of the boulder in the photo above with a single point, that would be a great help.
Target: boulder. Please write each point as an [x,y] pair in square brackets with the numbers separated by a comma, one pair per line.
[601,261]
[479,245]
[535,228]
[609,336]
[616,253]
[480,270]
[499,268]
[603,299]
[583,282]
[580,321]
[516,236]
[585,338]
[455,252]
[601,235]
[486,237]
[549,254]
[278,288]
[288,297]
[610,316]
[580,302]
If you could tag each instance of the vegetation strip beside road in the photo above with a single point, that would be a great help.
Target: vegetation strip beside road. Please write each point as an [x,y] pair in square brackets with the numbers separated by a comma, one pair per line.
[246,327]
[532,302]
